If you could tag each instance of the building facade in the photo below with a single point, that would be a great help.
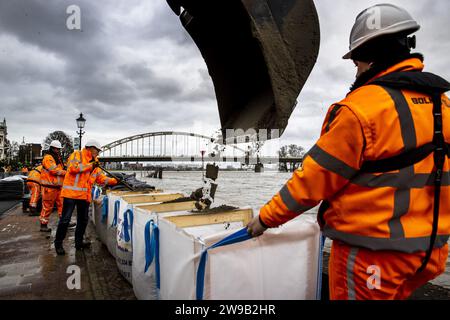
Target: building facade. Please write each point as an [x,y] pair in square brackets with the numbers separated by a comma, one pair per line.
[30,153]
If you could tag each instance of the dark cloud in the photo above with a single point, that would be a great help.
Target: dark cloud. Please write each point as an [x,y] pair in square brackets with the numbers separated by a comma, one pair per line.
[134,69]
[43,23]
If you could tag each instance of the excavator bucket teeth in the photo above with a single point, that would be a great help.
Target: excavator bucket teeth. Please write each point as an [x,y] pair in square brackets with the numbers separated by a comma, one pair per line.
[259,54]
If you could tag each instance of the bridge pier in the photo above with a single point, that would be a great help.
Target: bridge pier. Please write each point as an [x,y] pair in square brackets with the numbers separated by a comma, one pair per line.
[259,167]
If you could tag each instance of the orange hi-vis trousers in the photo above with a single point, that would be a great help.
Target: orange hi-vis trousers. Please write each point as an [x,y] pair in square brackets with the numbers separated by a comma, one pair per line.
[50,196]
[35,191]
[363,274]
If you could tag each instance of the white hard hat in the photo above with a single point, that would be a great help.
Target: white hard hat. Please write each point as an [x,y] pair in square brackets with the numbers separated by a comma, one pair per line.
[379,20]
[56,144]
[93,143]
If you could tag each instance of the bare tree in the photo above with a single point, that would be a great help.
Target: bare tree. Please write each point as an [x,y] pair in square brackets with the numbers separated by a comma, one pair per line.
[283,152]
[296,151]
[290,151]
[66,142]
[13,150]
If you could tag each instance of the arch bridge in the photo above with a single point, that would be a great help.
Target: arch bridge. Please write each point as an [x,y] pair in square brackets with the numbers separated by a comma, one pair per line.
[176,146]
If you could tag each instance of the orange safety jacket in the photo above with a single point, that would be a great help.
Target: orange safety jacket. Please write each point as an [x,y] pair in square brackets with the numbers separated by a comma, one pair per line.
[99,178]
[35,175]
[81,175]
[52,175]
[401,203]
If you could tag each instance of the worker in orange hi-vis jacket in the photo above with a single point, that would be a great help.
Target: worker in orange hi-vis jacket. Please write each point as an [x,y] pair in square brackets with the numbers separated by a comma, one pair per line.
[52,177]
[380,168]
[34,185]
[82,173]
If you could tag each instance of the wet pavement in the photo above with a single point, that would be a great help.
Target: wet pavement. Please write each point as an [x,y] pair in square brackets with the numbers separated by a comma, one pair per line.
[6,205]
[30,268]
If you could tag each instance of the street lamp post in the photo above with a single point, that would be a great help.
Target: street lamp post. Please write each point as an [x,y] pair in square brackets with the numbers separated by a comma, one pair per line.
[203,171]
[80,124]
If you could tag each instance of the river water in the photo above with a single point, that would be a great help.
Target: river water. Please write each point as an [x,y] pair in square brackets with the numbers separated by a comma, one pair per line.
[241,189]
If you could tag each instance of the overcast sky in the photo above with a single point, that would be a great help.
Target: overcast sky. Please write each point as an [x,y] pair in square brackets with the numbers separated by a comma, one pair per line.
[133,69]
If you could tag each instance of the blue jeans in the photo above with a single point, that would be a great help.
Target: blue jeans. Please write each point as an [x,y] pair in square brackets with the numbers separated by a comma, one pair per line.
[82,220]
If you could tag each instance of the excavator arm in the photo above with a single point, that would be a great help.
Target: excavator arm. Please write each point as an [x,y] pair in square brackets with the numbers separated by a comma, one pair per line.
[259,54]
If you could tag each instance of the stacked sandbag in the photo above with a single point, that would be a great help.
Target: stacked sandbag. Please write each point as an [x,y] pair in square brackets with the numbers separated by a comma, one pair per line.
[144,255]
[282,264]
[145,270]
[168,251]
[100,215]
[95,195]
[124,228]
[132,181]
[114,206]
[124,249]
[12,188]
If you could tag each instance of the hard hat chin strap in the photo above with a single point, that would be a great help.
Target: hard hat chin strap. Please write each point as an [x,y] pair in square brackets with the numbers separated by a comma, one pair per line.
[411,42]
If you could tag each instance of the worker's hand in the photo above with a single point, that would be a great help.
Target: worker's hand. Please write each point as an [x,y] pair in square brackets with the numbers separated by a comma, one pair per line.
[95,164]
[255,227]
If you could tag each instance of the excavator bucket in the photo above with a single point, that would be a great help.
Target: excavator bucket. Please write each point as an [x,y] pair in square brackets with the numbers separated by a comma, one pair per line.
[259,54]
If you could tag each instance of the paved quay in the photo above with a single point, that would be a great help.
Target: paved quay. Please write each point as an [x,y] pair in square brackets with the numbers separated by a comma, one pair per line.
[30,268]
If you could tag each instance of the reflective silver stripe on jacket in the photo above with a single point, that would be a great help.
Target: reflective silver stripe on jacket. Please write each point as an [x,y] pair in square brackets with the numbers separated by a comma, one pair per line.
[290,202]
[74,188]
[48,183]
[77,176]
[331,163]
[350,274]
[393,180]
[407,245]
[76,160]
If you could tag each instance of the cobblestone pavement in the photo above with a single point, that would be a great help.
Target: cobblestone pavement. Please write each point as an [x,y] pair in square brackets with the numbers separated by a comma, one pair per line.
[30,268]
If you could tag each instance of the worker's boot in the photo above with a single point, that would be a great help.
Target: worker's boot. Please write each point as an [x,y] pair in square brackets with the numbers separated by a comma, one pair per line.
[33,212]
[45,228]
[83,245]
[60,250]
[72,225]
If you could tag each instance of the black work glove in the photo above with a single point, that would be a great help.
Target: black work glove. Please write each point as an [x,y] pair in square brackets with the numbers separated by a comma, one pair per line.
[95,164]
